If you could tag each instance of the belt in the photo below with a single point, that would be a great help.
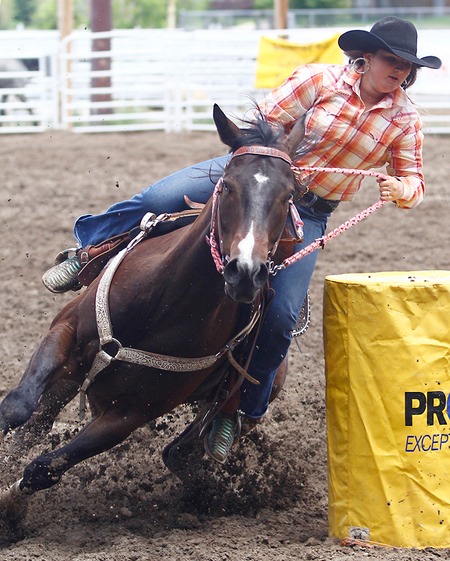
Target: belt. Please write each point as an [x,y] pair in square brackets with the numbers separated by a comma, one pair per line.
[318,203]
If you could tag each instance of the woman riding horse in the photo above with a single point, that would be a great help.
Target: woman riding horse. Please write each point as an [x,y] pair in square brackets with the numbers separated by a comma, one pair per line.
[356,116]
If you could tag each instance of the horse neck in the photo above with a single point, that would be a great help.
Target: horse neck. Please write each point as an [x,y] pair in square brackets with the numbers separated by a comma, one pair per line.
[193,244]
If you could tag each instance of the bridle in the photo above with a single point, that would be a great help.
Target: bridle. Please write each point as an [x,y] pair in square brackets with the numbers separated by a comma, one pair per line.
[215,239]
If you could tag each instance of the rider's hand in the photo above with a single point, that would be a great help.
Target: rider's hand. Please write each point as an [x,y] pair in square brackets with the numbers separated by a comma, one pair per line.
[391,189]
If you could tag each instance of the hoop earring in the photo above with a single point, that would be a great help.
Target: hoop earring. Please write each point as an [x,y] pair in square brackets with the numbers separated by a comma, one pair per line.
[360,65]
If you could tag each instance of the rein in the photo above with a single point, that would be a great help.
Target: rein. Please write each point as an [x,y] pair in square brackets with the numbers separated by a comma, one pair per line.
[320,242]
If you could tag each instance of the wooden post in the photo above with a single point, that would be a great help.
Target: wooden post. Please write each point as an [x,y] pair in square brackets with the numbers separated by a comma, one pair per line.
[65,26]
[65,18]
[172,14]
[281,9]
[101,20]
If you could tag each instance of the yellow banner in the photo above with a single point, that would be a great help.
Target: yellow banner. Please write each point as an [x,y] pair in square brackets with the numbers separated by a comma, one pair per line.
[278,58]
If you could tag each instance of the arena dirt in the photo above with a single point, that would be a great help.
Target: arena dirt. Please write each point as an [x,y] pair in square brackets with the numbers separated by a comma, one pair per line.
[269,503]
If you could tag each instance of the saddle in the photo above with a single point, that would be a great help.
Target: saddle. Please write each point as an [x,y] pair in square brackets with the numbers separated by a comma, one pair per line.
[93,258]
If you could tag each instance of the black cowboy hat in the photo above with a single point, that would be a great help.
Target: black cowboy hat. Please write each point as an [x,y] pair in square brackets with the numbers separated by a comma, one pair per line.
[395,35]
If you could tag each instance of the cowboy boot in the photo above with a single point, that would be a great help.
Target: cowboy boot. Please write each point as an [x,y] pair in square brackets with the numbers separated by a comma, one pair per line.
[71,273]
[63,276]
[224,432]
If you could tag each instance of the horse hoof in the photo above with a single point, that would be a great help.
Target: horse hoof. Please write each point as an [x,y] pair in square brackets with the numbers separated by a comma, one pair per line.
[13,509]
[183,455]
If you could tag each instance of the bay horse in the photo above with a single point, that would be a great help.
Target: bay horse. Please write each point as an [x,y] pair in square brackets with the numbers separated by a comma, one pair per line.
[166,298]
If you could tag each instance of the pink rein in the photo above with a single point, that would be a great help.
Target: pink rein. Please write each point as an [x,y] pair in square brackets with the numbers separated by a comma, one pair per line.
[318,243]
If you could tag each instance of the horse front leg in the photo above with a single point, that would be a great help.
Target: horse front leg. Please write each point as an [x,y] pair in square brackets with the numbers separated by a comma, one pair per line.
[101,434]
[54,359]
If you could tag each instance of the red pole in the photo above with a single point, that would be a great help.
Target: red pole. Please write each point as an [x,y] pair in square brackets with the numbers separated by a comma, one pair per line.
[101,20]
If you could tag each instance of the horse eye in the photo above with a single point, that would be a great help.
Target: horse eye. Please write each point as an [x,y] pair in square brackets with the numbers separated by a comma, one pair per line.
[226,187]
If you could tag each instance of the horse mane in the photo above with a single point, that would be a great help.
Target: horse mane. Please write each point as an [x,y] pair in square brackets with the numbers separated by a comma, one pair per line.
[259,132]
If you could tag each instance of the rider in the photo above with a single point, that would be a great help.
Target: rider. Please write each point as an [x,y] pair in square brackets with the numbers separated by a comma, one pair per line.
[357,116]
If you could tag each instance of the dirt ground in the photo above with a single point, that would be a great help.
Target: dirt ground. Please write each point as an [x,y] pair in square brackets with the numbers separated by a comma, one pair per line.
[270,502]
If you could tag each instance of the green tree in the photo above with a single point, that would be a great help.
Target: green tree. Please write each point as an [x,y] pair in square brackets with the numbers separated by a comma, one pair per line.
[304,4]
[43,14]
[318,4]
[149,13]
[264,4]
[24,11]
[139,13]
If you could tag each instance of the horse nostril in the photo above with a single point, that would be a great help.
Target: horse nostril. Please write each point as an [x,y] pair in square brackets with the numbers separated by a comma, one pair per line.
[235,273]
[242,283]
[261,276]
[231,273]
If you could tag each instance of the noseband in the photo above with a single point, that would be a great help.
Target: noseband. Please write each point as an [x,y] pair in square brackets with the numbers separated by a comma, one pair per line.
[216,251]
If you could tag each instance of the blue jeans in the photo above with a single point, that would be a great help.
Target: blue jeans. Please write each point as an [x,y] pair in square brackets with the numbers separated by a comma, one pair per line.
[197,182]
[290,285]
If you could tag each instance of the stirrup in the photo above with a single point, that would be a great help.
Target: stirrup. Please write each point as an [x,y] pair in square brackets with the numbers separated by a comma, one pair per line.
[224,432]
[304,317]
[63,276]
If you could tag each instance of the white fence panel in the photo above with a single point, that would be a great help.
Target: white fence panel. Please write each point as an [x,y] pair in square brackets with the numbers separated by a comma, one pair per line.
[157,79]
[28,84]
[134,96]
[28,98]
[163,79]
[219,68]
[171,79]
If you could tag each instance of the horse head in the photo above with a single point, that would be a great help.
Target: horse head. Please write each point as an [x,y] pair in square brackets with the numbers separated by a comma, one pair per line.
[253,200]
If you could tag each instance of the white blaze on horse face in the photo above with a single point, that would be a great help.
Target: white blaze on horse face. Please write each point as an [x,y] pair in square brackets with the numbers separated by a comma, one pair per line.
[246,246]
[261,178]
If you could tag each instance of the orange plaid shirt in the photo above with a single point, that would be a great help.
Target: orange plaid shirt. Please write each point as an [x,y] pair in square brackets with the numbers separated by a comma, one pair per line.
[341,133]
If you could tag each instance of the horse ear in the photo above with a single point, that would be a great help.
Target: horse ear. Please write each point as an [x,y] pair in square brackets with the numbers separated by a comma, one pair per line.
[296,136]
[227,130]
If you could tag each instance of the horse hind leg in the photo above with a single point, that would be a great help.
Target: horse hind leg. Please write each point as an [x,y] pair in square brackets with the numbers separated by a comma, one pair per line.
[51,359]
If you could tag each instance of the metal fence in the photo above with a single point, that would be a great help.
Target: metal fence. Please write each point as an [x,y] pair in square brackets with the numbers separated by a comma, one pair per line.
[157,79]
[311,17]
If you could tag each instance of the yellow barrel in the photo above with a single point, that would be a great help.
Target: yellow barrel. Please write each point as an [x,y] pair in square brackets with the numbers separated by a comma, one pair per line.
[387,360]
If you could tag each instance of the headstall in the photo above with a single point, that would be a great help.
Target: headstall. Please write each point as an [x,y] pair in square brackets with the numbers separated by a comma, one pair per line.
[219,259]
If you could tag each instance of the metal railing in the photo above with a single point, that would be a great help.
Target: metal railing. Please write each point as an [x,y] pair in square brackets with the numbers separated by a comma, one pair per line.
[315,17]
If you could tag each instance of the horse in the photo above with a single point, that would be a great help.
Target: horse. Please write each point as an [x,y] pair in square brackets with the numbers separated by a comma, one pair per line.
[171,296]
